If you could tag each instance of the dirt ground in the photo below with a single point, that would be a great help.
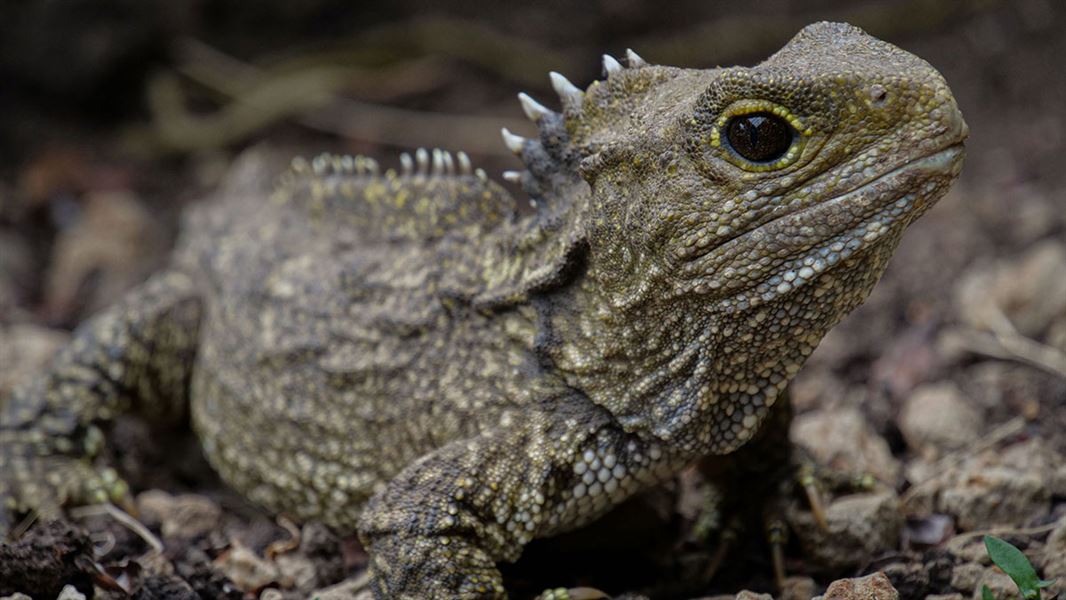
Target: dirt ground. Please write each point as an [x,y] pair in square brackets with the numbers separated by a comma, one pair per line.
[948,386]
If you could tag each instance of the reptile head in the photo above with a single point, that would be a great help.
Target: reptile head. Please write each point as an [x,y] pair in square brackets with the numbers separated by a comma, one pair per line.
[751,207]
[746,183]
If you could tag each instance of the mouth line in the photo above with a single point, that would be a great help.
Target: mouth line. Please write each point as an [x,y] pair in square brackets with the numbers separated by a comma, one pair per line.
[850,192]
[900,168]
[738,238]
[894,170]
[809,236]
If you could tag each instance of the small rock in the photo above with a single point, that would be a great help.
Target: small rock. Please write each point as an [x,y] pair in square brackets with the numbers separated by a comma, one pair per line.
[938,416]
[1029,290]
[872,587]
[860,528]
[70,593]
[271,594]
[354,588]
[929,531]
[1057,487]
[798,588]
[1003,588]
[749,595]
[45,560]
[995,496]
[298,569]
[910,578]
[169,587]
[1054,559]
[16,596]
[247,570]
[184,516]
[964,577]
[842,439]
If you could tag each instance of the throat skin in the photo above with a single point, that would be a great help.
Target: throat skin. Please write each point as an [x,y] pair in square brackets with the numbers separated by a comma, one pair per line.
[679,369]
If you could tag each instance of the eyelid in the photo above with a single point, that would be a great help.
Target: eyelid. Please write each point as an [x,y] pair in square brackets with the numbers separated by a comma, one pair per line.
[747,107]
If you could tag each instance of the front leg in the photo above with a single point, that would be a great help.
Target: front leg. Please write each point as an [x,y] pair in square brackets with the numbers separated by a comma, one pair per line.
[134,357]
[440,527]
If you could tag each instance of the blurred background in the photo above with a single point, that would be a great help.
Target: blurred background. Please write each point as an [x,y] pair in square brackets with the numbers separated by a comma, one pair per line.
[116,114]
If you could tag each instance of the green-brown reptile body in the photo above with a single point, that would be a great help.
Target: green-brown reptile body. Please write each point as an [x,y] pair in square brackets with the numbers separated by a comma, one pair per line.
[406,354]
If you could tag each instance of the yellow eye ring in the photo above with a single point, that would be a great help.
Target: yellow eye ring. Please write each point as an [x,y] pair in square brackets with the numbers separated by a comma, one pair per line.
[771,119]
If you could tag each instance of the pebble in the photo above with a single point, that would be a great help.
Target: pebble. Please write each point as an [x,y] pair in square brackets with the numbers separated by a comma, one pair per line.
[860,527]
[841,438]
[937,416]
[872,587]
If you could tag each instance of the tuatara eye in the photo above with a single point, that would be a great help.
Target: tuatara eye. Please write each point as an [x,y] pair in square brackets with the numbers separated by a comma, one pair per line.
[759,137]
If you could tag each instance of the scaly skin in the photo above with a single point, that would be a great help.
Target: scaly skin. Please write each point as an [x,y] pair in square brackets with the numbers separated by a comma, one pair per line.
[404,354]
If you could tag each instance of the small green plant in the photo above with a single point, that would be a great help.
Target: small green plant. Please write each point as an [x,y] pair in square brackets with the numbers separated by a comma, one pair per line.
[1016,566]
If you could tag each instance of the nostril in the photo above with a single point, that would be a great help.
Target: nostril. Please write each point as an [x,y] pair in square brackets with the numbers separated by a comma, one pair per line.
[878,95]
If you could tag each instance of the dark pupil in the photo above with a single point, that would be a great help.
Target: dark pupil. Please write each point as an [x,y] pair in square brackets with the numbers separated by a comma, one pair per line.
[759,137]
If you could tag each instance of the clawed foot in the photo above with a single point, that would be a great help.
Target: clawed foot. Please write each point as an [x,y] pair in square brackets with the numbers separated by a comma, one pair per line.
[39,476]
[728,517]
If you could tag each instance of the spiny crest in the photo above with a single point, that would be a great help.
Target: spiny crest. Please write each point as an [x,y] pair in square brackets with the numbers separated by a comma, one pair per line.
[426,164]
[552,153]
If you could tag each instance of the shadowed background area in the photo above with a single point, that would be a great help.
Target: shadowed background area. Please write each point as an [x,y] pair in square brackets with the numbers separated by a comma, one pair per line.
[116,114]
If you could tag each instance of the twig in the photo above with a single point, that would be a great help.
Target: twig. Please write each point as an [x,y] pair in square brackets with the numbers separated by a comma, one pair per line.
[1032,531]
[116,513]
[1011,346]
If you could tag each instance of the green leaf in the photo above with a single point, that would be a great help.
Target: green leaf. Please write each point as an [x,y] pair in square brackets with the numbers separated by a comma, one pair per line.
[986,594]
[1015,565]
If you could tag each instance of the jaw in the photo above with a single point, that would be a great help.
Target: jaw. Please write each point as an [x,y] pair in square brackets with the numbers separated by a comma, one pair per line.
[794,251]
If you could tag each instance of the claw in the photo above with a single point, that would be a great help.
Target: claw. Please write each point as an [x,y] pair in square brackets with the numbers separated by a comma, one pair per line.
[726,540]
[814,497]
[777,535]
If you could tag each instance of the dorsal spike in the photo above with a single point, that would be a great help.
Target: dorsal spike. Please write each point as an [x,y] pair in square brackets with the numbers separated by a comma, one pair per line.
[634,59]
[299,165]
[371,166]
[449,164]
[513,142]
[464,163]
[347,163]
[481,174]
[422,158]
[406,164]
[610,65]
[534,110]
[512,176]
[438,162]
[568,92]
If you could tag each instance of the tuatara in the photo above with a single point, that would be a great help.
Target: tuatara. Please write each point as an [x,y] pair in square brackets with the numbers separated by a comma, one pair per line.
[407,354]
